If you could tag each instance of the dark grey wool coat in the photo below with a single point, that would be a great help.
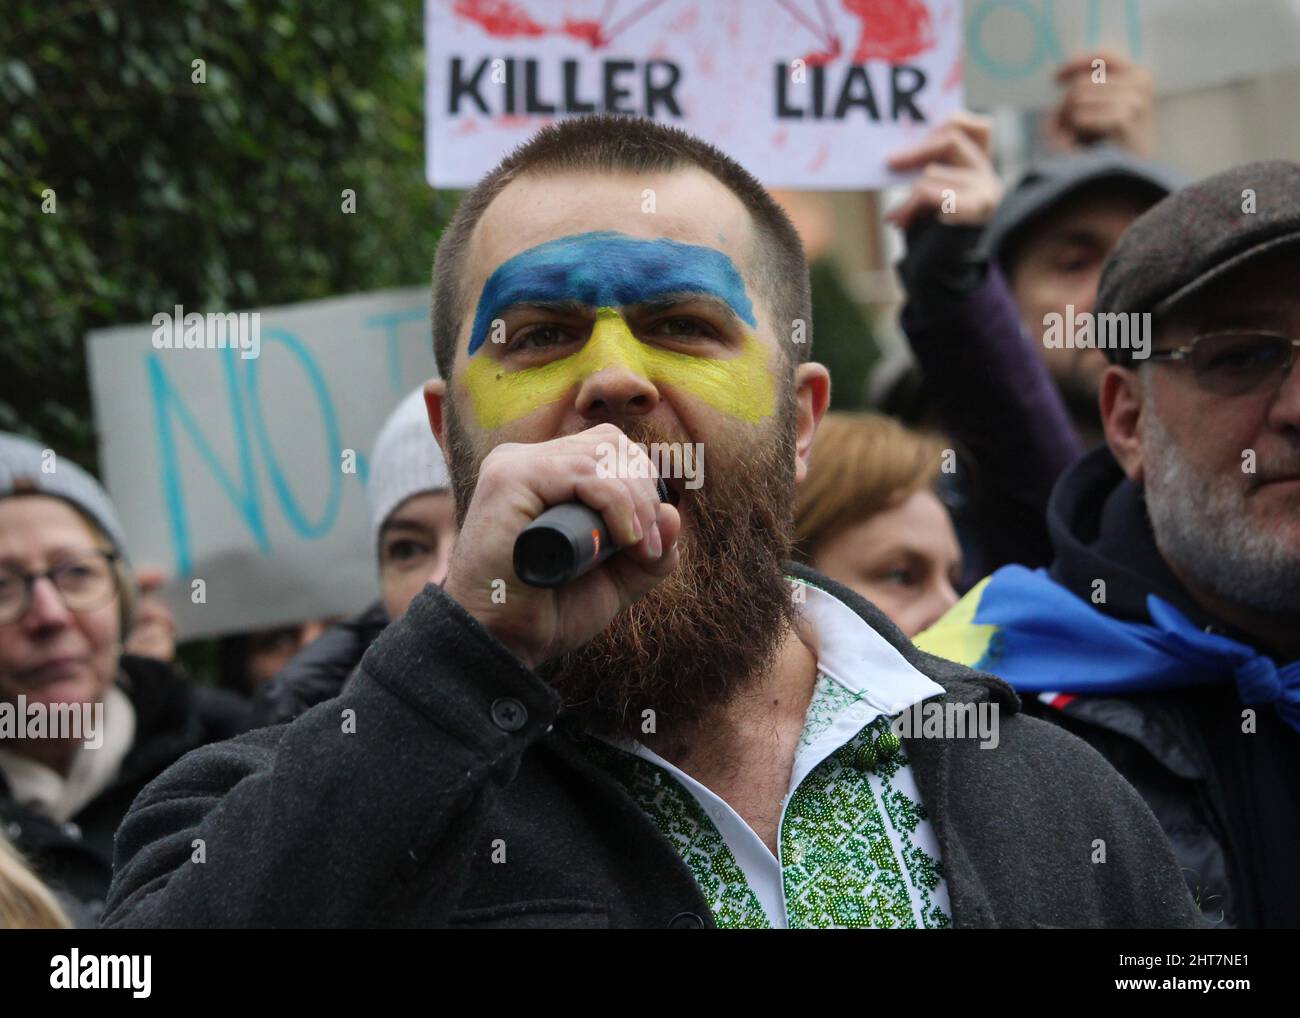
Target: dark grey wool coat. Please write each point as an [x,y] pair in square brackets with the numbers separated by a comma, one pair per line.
[456,745]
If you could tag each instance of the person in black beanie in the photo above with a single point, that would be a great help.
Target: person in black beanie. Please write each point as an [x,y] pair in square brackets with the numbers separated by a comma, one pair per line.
[1167,632]
[981,272]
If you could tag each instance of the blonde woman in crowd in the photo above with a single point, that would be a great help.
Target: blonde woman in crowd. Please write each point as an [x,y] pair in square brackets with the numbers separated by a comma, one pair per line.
[868,516]
[25,903]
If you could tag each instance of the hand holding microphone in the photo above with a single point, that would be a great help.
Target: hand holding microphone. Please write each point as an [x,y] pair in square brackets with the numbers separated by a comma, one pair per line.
[554,490]
[565,542]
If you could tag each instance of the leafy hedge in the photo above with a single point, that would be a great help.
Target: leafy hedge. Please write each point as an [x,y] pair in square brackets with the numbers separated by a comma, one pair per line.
[217,195]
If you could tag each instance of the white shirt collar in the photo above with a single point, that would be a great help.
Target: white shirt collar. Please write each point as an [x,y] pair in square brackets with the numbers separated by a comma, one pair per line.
[852,653]
[880,681]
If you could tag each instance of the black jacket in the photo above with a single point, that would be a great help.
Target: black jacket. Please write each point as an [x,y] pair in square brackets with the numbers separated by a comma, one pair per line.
[1229,801]
[318,671]
[383,808]
[172,718]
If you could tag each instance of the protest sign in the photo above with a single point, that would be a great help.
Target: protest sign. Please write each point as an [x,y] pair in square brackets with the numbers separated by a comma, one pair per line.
[803,93]
[235,449]
[1013,47]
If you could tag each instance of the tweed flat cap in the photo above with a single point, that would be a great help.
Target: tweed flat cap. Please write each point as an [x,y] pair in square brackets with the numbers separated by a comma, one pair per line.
[1198,234]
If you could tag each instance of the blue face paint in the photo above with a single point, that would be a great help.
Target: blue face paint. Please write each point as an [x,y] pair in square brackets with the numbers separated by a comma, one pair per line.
[607,269]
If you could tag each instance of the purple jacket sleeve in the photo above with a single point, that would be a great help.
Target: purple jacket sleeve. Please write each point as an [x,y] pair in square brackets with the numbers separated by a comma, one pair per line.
[996,398]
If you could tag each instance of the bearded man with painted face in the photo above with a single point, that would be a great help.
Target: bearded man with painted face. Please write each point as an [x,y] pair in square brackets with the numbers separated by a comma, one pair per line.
[1167,631]
[697,732]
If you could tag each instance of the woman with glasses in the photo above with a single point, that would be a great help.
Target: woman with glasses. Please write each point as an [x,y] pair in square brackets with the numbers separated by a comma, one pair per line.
[83,725]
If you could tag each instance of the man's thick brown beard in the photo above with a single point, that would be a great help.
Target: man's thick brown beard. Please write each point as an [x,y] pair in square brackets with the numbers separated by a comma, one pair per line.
[713,627]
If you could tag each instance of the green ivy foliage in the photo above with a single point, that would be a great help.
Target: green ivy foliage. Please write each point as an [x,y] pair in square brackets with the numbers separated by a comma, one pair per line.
[218,195]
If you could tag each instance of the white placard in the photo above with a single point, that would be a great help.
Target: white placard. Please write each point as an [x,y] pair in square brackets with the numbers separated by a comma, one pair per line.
[803,93]
[1013,47]
[235,469]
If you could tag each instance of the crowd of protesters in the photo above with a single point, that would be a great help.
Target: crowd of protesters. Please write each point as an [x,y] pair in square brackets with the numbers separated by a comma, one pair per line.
[1068,538]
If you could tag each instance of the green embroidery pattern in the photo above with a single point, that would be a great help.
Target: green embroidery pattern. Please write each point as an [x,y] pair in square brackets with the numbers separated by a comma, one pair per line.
[678,815]
[840,865]
[828,699]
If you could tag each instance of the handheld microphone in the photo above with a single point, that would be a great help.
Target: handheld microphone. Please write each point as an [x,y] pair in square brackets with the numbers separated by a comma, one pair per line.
[565,542]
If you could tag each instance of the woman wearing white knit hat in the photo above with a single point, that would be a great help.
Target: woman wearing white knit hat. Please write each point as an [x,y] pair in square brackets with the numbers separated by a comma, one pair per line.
[412,528]
[412,517]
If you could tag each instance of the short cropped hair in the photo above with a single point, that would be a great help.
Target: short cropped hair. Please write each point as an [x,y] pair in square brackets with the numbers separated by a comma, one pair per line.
[617,144]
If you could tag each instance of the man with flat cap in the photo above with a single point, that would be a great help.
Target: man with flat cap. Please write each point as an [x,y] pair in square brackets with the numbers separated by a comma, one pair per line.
[1167,631]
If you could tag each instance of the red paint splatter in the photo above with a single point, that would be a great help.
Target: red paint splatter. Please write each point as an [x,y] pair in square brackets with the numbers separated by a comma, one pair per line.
[499,17]
[819,160]
[515,121]
[590,32]
[706,65]
[825,56]
[892,30]
[659,51]
[506,19]
[779,138]
[954,76]
[467,126]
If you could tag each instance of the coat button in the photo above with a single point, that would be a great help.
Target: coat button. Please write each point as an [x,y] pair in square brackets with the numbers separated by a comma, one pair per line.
[14,830]
[509,714]
[686,921]
[71,830]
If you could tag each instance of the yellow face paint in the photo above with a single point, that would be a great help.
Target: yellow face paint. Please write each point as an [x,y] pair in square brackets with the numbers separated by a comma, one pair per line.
[741,386]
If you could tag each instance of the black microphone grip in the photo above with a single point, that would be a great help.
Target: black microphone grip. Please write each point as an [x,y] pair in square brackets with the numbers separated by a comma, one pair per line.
[564,542]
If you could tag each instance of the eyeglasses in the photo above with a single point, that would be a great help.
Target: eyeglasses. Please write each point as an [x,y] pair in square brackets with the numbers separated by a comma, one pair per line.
[85,582]
[1236,363]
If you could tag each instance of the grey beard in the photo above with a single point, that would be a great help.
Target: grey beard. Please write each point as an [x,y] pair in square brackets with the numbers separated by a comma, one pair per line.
[1203,528]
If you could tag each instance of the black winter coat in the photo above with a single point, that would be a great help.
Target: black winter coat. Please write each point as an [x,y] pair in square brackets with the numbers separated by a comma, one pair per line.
[1229,802]
[383,807]
[172,717]
[317,672]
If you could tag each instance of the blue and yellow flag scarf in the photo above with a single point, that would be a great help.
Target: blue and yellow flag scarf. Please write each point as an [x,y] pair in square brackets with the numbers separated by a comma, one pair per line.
[1023,626]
